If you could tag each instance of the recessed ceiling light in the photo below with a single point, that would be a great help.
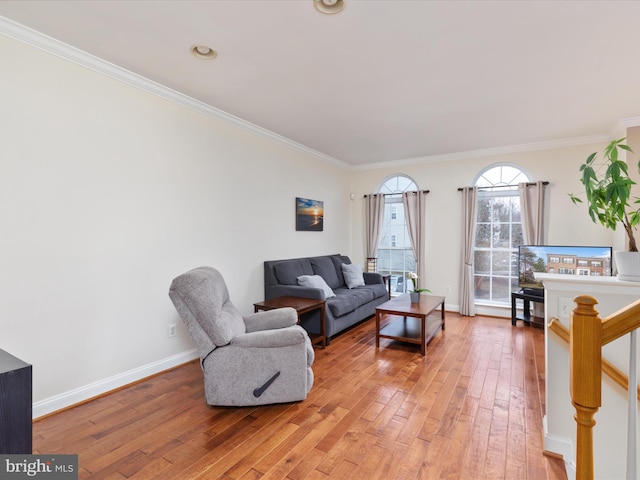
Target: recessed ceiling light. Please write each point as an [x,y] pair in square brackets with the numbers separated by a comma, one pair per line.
[204,52]
[329,6]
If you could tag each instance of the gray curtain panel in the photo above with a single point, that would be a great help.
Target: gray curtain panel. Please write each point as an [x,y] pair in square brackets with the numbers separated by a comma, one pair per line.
[374,216]
[469,207]
[414,210]
[532,208]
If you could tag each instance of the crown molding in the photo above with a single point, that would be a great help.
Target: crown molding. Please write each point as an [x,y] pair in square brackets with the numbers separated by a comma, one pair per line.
[67,52]
[487,152]
[630,122]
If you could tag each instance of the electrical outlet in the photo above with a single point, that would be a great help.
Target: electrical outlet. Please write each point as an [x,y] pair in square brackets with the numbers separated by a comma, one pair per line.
[447,289]
[171,331]
[565,306]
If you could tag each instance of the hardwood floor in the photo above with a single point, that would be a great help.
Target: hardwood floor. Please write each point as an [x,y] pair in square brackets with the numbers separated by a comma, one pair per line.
[470,409]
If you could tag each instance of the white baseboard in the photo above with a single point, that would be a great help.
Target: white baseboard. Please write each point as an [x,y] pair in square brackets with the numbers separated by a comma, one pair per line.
[560,446]
[451,308]
[81,394]
[493,310]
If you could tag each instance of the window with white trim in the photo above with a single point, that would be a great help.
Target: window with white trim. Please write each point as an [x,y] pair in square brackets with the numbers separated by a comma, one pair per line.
[395,255]
[498,234]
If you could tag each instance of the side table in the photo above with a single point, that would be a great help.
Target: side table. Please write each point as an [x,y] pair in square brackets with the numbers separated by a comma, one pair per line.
[526,308]
[301,305]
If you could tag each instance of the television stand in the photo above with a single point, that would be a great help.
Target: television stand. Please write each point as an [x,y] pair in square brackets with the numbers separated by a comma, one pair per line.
[526,298]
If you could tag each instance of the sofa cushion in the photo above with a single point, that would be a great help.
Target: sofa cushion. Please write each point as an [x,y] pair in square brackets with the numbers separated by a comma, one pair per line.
[363,295]
[324,267]
[347,300]
[377,289]
[353,276]
[316,281]
[337,261]
[288,271]
[342,304]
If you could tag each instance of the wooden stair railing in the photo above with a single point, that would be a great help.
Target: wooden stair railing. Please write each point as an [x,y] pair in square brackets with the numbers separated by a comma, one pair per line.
[608,368]
[587,334]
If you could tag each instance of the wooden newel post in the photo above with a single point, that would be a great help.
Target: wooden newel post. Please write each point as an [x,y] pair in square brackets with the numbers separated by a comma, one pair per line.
[585,346]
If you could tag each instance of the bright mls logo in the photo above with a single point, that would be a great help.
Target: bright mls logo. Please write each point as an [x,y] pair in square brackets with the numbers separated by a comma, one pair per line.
[50,467]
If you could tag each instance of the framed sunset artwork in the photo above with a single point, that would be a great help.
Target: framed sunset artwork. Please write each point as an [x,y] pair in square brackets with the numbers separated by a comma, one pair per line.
[309,215]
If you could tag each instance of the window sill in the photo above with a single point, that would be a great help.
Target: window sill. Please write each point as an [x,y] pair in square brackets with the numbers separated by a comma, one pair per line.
[493,310]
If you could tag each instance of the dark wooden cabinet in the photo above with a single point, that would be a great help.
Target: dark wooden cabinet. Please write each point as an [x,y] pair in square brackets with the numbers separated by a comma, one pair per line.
[15,405]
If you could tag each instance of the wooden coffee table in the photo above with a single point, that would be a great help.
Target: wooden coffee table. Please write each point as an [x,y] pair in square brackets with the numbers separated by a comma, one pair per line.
[301,305]
[410,322]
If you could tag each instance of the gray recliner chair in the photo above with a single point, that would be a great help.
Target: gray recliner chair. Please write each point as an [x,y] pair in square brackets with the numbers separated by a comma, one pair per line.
[256,359]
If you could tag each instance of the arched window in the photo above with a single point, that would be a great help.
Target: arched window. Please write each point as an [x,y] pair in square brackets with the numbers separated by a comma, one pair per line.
[395,255]
[498,234]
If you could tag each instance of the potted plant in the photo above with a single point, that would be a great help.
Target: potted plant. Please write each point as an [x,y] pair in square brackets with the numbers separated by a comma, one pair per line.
[415,295]
[608,192]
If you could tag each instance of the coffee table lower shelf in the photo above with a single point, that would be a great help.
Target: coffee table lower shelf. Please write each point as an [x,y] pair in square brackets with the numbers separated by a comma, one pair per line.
[409,329]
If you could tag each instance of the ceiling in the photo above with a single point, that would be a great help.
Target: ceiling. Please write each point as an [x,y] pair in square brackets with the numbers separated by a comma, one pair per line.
[382,81]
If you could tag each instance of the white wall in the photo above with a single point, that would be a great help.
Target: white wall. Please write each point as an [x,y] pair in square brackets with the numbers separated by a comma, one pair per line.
[107,193]
[566,224]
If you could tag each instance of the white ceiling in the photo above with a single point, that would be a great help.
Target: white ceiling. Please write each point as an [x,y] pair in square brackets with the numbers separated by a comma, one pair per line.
[385,80]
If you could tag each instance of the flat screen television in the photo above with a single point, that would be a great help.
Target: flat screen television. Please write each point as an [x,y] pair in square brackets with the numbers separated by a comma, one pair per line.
[563,260]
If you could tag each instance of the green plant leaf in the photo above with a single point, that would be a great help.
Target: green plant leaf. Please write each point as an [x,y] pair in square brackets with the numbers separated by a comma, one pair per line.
[575,199]
[613,170]
[588,174]
[623,166]
[611,193]
[623,193]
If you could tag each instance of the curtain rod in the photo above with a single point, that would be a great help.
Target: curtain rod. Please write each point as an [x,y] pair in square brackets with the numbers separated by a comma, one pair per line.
[385,194]
[529,184]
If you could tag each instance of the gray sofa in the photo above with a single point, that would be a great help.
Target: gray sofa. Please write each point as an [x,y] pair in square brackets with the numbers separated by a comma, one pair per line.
[349,305]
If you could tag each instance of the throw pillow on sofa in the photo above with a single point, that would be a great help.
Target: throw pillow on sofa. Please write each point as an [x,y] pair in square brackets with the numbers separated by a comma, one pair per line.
[316,281]
[353,275]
